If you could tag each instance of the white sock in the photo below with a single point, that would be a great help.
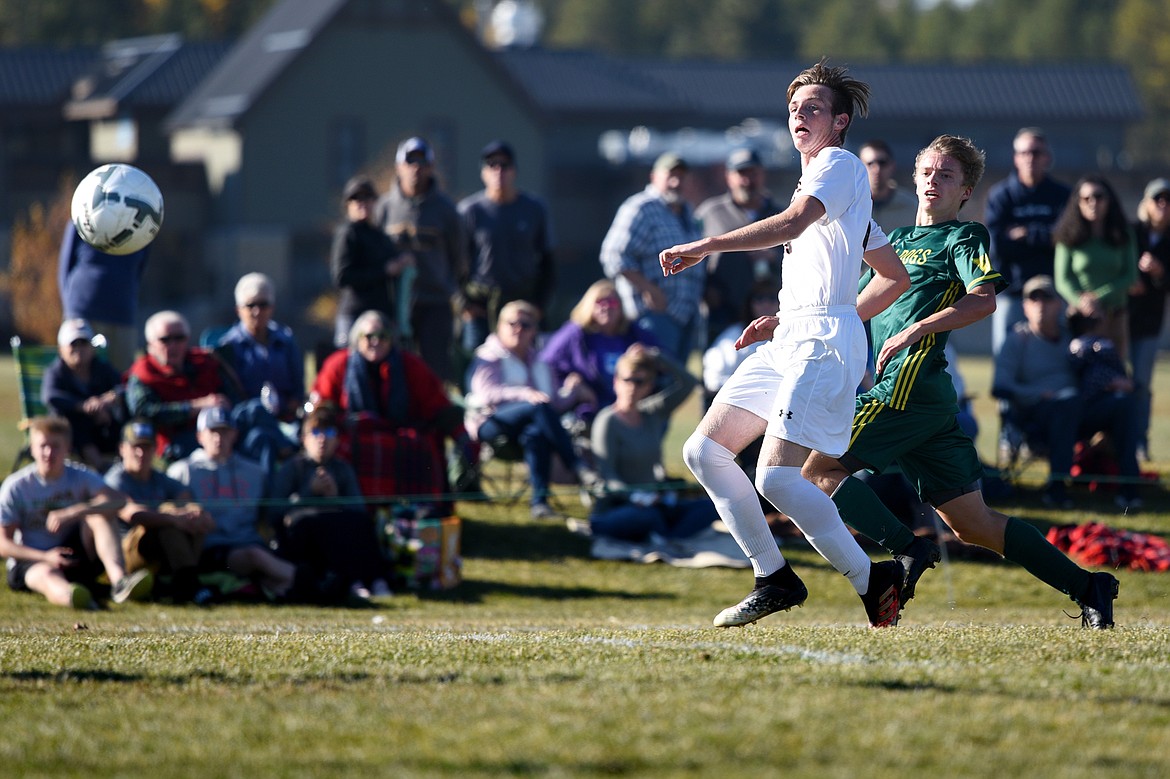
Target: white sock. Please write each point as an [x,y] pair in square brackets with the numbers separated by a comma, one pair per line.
[816,515]
[735,500]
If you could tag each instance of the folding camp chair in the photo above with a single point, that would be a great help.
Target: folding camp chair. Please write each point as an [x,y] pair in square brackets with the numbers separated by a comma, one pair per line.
[31,360]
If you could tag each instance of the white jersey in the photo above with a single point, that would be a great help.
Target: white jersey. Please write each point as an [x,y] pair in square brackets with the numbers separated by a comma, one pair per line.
[822,265]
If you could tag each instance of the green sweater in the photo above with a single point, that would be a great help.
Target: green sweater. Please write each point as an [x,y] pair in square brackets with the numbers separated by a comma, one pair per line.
[1096,266]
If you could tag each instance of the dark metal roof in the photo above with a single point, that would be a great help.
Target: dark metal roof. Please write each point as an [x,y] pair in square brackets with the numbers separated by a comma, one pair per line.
[41,76]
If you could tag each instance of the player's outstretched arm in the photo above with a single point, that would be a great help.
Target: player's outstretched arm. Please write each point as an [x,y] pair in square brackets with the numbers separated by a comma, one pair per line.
[890,280]
[977,304]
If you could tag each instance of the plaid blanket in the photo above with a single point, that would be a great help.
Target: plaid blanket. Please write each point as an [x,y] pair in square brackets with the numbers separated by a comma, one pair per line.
[393,462]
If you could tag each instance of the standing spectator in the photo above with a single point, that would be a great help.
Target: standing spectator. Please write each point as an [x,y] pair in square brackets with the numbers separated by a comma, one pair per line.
[102,289]
[667,306]
[1096,259]
[583,353]
[510,244]
[231,489]
[64,515]
[512,396]
[261,351]
[85,389]
[423,221]
[730,276]
[364,262]
[1147,299]
[1021,211]
[173,382]
[159,528]
[892,206]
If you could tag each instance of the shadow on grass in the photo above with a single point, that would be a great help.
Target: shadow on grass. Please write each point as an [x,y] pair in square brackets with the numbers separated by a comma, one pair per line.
[530,541]
[476,591]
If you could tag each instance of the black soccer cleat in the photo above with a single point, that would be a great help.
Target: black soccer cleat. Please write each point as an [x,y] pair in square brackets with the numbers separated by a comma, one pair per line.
[763,600]
[916,559]
[1097,603]
[883,599]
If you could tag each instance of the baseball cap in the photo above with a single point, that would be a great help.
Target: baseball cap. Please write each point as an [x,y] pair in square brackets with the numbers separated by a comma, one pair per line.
[412,146]
[743,158]
[1157,187]
[498,148]
[359,186]
[669,161]
[73,330]
[213,418]
[138,432]
[1042,283]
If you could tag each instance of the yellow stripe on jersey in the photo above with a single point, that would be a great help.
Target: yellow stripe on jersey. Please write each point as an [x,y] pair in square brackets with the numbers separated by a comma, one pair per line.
[982,262]
[908,370]
[985,279]
[863,417]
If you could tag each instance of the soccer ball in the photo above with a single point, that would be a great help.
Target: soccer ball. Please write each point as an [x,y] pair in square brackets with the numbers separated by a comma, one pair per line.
[117,209]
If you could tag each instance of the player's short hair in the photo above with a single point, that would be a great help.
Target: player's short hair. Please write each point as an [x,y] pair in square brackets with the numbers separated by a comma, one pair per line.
[49,424]
[971,158]
[850,96]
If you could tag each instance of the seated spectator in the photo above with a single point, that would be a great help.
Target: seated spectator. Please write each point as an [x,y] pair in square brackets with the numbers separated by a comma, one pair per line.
[160,528]
[85,389]
[231,489]
[397,414]
[722,358]
[262,353]
[1036,375]
[627,444]
[321,517]
[58,522]
[170,384]
[585,350]
[511,395]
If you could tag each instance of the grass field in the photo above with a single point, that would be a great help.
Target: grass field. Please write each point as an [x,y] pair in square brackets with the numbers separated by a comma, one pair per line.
[547,663]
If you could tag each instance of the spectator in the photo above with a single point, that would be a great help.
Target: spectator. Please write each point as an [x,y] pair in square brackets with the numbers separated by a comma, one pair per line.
[366,266]
[627,442]
[102,289]
[232,489]
[1147,299]
[510,244]
[398,413]
[423,221]
[667,306]
[722,358]
[262,352]
[512,396]
[1021,211]
[170,384]
[58,526]
[584,352]
[160,528]
[322,522]
[84,388]
[730,277]
[1096,259]
[892,206]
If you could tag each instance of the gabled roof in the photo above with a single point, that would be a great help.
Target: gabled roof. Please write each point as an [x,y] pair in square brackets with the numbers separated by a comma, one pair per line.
[576,82]
[259,57]
[41,76]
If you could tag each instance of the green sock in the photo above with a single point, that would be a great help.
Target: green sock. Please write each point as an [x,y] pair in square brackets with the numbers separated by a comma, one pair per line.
[1027,547]
[863,511]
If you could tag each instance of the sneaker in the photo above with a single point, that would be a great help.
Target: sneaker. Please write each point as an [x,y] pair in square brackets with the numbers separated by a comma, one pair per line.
[916,559]
[543,511]
[760,602]
[883,599]
[80,597]
[1097,605]
[133,586]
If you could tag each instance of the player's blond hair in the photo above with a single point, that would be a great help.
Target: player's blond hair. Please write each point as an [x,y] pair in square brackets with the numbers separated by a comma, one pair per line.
[971,158]
[850,96]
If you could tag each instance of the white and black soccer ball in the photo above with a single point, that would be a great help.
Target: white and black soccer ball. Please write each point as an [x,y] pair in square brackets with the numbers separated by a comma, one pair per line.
[117,209]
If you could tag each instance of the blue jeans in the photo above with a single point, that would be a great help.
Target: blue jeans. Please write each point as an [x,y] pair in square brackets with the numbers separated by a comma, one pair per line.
[1143,352]
[536,428]
[673,338]
[635,523]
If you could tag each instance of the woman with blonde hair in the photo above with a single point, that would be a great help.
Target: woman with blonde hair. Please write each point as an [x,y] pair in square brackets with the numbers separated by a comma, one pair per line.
[584,352]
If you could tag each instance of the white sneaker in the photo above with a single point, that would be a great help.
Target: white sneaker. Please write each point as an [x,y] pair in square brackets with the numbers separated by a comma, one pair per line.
[133,586]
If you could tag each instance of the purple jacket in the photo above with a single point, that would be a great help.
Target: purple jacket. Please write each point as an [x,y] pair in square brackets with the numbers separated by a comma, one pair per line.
[592,355]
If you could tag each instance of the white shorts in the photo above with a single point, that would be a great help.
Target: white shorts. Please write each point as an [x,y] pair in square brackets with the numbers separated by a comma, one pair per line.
[804,381]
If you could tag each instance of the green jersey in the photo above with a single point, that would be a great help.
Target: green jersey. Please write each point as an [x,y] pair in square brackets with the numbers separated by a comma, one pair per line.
[945,262]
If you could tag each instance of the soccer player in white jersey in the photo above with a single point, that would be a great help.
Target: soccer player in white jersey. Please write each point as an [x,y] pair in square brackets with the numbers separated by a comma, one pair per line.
[798,390]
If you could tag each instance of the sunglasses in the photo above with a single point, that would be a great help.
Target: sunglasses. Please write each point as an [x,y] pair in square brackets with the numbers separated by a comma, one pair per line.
[1040,297]
[259,305]
[1031,153]
[881,163]
[637,381]
[1093,196]
[1162,198]
[501,164]
[377,335]
[521,324]
[174,338]
[323,432]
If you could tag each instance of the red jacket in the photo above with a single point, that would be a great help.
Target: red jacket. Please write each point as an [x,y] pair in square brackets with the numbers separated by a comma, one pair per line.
[428,398]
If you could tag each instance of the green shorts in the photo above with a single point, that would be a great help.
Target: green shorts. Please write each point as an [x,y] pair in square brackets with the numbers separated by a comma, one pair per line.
[937,457]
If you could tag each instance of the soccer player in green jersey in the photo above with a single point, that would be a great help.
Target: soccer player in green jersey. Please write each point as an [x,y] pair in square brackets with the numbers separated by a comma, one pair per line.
[908,417]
